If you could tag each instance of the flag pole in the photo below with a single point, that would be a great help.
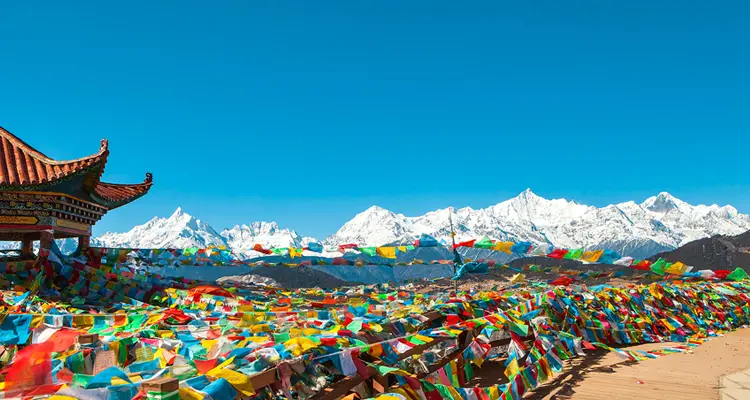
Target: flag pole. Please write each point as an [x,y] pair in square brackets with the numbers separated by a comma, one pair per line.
[453,239]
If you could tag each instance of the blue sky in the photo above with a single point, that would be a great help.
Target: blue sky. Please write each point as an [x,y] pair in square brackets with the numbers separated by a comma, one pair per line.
[309,112]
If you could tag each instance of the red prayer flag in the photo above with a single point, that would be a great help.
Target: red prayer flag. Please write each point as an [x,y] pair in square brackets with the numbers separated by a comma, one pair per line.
[643,265]
[722,273]
[587,345]
[558,253]
[260,249]
[32,367]
[343,247]
[469,243]
[452,319]
[204,366]
[562,281]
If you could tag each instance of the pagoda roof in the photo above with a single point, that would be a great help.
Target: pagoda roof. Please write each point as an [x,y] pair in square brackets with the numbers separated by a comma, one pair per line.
[24,168]
[117,194]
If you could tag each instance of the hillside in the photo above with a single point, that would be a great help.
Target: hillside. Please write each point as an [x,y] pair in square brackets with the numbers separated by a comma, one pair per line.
[716,252]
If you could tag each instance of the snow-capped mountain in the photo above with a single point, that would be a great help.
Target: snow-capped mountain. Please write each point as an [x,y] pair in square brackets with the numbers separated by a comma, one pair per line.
[242,238]
[660,223]
[180,230]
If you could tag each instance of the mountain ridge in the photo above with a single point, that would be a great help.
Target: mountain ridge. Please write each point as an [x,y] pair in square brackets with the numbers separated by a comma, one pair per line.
[658,224]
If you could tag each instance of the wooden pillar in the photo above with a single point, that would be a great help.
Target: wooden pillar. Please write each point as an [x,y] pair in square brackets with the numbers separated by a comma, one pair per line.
[83,243]
[460,370]
[45,239]
[27,246]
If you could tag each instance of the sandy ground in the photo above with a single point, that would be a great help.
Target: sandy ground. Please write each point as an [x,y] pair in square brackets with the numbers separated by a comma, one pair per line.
[604,375]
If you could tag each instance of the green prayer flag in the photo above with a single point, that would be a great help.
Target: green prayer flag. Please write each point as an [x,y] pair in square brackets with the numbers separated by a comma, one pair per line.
[484,243]
[444,392]
[385,370]
[469,371]
[574,254]
[100,325]
[135,321]
[355,326]
[416,341]
[370,251]
[737,275]
[518,329]
[81,380]
[281,337]
[76,363]
[659,266]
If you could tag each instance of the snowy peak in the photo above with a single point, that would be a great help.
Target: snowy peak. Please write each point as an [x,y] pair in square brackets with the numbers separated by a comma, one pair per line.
[528,208]
[663,203]
[374,213]
[178,231]
[374,225]
[724,212]
[242,238]
[256,228]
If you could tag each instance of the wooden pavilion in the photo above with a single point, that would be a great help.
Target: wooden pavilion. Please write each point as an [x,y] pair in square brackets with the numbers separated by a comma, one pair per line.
[44,199]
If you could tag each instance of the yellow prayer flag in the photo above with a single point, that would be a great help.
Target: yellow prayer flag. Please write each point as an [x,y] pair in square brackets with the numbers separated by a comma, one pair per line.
[299,345]
[153,319]
[454,392]
[386,252]
[208,343]
[311,331]
[387,396]
[293,252]
[188,393]
[677,268]
[81,321]
[159,354]
[591,256]
[375,350]
[223,365]
[503,246]
[239,381]
[423,338]
[119,381]
[512,369]
[257,339]
[167,334]
[494,392]
[61,397]
[36,320]
[260,328]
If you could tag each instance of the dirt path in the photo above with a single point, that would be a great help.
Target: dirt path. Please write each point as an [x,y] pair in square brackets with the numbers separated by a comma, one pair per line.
[677,376]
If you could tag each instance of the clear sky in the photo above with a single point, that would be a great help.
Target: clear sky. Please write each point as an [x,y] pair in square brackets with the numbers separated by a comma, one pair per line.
[307,113]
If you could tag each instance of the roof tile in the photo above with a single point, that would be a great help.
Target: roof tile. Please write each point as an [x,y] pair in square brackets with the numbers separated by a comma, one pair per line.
[22,165]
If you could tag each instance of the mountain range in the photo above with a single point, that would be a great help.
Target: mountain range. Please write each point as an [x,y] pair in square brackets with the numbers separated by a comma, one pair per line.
[658,224]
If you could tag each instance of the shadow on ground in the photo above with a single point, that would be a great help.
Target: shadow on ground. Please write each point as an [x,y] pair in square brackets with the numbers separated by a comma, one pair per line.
[562,386]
